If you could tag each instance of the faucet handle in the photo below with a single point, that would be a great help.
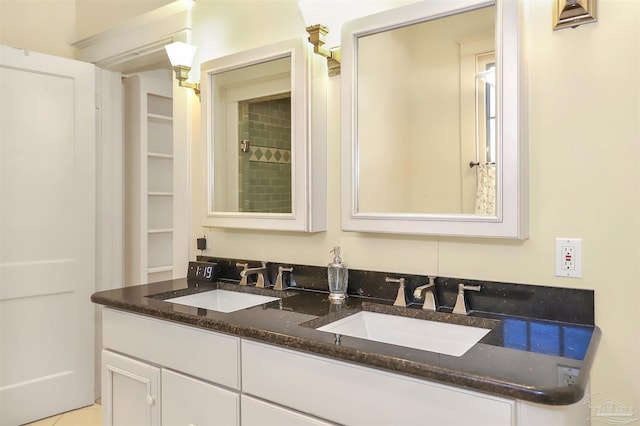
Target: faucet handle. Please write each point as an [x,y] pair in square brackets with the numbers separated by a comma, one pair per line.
[401,298]
[279,282]
[263,279]
[243,273]
[461,306]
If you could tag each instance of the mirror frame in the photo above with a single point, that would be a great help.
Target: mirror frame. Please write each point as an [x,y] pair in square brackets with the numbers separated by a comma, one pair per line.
[308,123]
[511,219]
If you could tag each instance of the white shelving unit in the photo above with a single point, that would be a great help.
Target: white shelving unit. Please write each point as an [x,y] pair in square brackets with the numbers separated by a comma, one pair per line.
[149,177]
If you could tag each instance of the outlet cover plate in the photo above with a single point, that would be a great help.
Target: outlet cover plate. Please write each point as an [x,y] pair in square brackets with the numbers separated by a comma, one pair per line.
[569,257]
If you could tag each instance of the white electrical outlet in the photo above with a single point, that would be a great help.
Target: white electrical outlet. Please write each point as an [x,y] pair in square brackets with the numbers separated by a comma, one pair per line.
[569,257]
[567,376]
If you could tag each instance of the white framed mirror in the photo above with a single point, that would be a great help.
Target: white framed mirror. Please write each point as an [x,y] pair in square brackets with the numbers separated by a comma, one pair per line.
[261,110]
[434,131]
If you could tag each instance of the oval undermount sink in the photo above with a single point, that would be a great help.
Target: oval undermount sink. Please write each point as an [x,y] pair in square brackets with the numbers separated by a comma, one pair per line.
[222,300]
[432,336]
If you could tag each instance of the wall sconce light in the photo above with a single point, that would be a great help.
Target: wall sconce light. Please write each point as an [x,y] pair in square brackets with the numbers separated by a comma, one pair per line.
[325,37]
[572,13]
[332,14]
[317,37]
[181,55]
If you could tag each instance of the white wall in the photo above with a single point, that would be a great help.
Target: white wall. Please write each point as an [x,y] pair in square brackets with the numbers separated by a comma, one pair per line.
[584,115]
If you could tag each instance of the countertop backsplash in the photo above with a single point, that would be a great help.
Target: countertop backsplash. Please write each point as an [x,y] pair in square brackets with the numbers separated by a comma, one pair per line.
[494,299]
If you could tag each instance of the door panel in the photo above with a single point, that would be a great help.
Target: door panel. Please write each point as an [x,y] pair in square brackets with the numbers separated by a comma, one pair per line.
[47,234]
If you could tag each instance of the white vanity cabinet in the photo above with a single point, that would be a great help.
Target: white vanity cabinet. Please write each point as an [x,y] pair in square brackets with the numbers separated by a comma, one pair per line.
[350,394]
[156,372]
[353,395]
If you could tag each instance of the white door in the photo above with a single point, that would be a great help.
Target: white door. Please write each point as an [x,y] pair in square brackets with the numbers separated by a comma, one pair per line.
[47,235]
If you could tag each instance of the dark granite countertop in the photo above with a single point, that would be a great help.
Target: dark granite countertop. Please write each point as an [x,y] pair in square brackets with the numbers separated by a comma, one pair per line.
[520,358]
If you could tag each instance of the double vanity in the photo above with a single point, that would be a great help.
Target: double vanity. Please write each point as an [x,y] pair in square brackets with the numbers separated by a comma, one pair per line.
[193,352]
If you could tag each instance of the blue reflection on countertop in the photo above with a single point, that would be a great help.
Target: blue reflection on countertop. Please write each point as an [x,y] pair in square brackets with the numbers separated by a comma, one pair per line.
[565,340]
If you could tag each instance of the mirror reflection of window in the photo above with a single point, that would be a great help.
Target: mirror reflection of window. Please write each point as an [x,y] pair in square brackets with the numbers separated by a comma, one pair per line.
[417,114]
[485,171]
[491,117]
[486,107]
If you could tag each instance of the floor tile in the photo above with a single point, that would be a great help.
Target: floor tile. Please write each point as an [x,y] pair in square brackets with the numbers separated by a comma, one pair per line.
[49,421]
[87,416]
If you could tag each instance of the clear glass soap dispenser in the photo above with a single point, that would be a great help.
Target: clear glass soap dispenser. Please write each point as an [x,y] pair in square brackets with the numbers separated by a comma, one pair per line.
[338,276]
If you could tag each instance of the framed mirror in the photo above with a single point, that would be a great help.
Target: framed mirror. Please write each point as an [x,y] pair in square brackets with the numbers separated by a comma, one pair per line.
[260,113]
[433,121]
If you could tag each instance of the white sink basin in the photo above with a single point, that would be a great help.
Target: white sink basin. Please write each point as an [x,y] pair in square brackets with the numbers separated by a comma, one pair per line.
[222,300]
[432,336]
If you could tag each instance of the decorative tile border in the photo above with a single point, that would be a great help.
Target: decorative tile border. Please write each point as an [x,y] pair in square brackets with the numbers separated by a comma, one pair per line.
[263,154]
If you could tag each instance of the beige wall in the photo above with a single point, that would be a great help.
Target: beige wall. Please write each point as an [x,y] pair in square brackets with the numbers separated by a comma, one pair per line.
[584,114]
[51,26]
[46,26]
[94,16]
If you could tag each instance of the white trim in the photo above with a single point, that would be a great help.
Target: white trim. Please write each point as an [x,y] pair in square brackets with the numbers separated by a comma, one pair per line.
[140,40]
[110,163]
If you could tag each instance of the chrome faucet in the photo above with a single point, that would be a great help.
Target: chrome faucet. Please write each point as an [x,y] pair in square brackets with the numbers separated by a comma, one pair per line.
[461,305]
[429,297]
[261,272]
[279,283]
[401,298]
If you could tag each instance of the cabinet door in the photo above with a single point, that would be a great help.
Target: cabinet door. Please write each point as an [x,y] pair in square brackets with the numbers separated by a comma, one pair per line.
[187,401]
[261,413]
[130,391]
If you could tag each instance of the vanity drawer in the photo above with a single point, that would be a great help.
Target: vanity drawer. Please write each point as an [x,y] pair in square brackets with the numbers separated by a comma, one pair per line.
[205,354]
[354,395]
[260,413]
[187,401]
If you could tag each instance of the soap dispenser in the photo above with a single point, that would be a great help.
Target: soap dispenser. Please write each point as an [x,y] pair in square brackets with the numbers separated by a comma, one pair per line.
[338,276]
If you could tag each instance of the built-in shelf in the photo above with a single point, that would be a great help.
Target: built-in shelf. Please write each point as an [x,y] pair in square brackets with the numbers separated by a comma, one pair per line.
[160,269]
[150,173]
[160,231]
[160,117]
[158,155]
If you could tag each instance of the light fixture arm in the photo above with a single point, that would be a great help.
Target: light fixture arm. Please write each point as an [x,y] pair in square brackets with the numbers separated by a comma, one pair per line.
[317,34]
[182,74]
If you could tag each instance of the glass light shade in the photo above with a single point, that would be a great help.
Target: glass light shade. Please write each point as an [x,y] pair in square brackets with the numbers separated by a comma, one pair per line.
[180,53]
[333,13]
